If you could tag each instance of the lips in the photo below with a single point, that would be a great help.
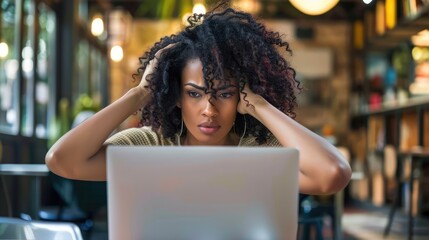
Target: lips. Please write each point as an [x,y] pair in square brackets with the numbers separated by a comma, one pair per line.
[209,127]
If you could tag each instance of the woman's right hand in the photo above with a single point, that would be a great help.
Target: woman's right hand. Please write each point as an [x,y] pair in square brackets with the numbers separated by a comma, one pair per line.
[150,68]
[81,152]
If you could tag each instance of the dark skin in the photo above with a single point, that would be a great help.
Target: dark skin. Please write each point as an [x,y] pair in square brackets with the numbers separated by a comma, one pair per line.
[207,122]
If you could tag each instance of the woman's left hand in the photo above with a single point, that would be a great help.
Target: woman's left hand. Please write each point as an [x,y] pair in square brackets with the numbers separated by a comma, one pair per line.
[249,101]
[323,170]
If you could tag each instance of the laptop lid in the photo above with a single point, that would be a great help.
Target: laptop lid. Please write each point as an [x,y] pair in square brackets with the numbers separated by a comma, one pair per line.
[202,192]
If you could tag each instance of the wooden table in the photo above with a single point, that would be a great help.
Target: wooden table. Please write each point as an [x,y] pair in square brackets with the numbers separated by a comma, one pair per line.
[36,171]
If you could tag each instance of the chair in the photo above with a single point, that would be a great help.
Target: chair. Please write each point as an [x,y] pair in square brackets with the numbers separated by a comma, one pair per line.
[307,223]
[15,228]
[311,217]
[311,212]
[79,202]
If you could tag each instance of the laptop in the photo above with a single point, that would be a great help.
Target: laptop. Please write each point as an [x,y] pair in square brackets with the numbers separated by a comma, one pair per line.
[202,193]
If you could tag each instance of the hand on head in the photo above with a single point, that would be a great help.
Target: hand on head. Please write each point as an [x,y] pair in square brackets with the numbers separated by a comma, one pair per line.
[151,67]
[249,101]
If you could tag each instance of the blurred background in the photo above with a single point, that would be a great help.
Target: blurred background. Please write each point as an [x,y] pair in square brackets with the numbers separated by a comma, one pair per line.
[364,66]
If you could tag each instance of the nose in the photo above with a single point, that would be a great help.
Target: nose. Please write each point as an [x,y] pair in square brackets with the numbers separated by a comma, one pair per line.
[210,109]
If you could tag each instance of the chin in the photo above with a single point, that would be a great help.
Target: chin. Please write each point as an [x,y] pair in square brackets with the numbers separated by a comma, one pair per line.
[209,140]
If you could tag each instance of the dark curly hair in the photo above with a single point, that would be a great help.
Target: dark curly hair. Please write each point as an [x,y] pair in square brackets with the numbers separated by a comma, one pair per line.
[231,45]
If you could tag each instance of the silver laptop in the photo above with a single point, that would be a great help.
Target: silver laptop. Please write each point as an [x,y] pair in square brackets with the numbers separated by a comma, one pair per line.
[202,193]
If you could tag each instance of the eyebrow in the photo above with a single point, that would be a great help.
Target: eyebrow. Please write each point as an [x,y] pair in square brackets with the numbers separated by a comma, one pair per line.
[205,88]
[196,86]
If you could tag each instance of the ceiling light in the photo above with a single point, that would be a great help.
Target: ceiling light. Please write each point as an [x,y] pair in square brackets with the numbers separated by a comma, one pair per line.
[314,7]
[199,8]
[97,26]
[4,50]
[116,53]
[250,6]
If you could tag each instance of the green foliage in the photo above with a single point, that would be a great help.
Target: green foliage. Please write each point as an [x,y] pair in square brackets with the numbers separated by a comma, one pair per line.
[64,118]
[164,9]
[84,103]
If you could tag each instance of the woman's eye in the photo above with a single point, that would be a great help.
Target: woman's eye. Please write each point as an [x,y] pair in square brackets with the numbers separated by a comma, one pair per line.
[193,94]
[226,95]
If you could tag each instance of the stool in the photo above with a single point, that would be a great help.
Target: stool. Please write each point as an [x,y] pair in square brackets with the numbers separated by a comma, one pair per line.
[307,222]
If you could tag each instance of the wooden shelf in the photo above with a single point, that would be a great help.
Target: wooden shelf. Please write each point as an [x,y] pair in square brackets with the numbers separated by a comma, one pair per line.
[413,102]
[392,130]
[401,33]
[418,152]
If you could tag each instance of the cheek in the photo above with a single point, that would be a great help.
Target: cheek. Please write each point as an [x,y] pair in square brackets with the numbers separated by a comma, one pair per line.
[189,104]
[229,109]
[189,110]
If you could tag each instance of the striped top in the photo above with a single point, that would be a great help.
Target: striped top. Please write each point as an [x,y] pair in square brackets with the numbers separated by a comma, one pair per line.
[146,136]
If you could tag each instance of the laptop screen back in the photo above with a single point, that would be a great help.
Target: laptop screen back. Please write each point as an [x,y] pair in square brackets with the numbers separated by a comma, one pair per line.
[202,192]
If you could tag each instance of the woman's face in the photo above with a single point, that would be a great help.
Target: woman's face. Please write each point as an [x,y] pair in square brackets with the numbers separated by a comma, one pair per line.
[207,123]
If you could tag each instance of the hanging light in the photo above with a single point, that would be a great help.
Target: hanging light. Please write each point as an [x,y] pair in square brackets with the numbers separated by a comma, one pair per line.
[250,6]
[97,26]
[116,53]
[199,8]
[314,7]
[4,50]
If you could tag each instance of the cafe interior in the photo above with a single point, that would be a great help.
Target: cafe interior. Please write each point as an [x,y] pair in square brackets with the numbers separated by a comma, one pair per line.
[363,65]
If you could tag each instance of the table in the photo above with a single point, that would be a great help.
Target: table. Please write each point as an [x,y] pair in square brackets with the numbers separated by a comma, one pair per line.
[36,171]
[40,170]
[417,157]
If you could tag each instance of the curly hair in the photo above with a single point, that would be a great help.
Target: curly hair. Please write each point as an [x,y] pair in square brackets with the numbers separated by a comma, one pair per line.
[231,45]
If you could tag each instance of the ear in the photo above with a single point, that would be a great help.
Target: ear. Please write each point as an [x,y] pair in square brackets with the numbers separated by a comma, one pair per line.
[179,105]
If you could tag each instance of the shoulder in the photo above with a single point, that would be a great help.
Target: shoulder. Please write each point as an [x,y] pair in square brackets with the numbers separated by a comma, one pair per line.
[138,136]
[251,141]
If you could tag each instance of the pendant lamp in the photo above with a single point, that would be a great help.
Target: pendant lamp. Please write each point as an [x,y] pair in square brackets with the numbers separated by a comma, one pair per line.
[314,7]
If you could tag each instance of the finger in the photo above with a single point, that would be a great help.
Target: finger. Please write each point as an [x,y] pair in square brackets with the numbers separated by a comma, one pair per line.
[154,61]
[158,54]
[143,78]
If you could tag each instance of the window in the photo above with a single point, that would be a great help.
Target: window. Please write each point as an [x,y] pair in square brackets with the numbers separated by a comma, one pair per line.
[9,77]
[45,72]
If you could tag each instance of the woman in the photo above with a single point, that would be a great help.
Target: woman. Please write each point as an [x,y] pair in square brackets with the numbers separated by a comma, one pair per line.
[221,81]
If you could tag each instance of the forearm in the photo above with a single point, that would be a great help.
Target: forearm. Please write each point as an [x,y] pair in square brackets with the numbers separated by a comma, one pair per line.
[323,169]
[73,151]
